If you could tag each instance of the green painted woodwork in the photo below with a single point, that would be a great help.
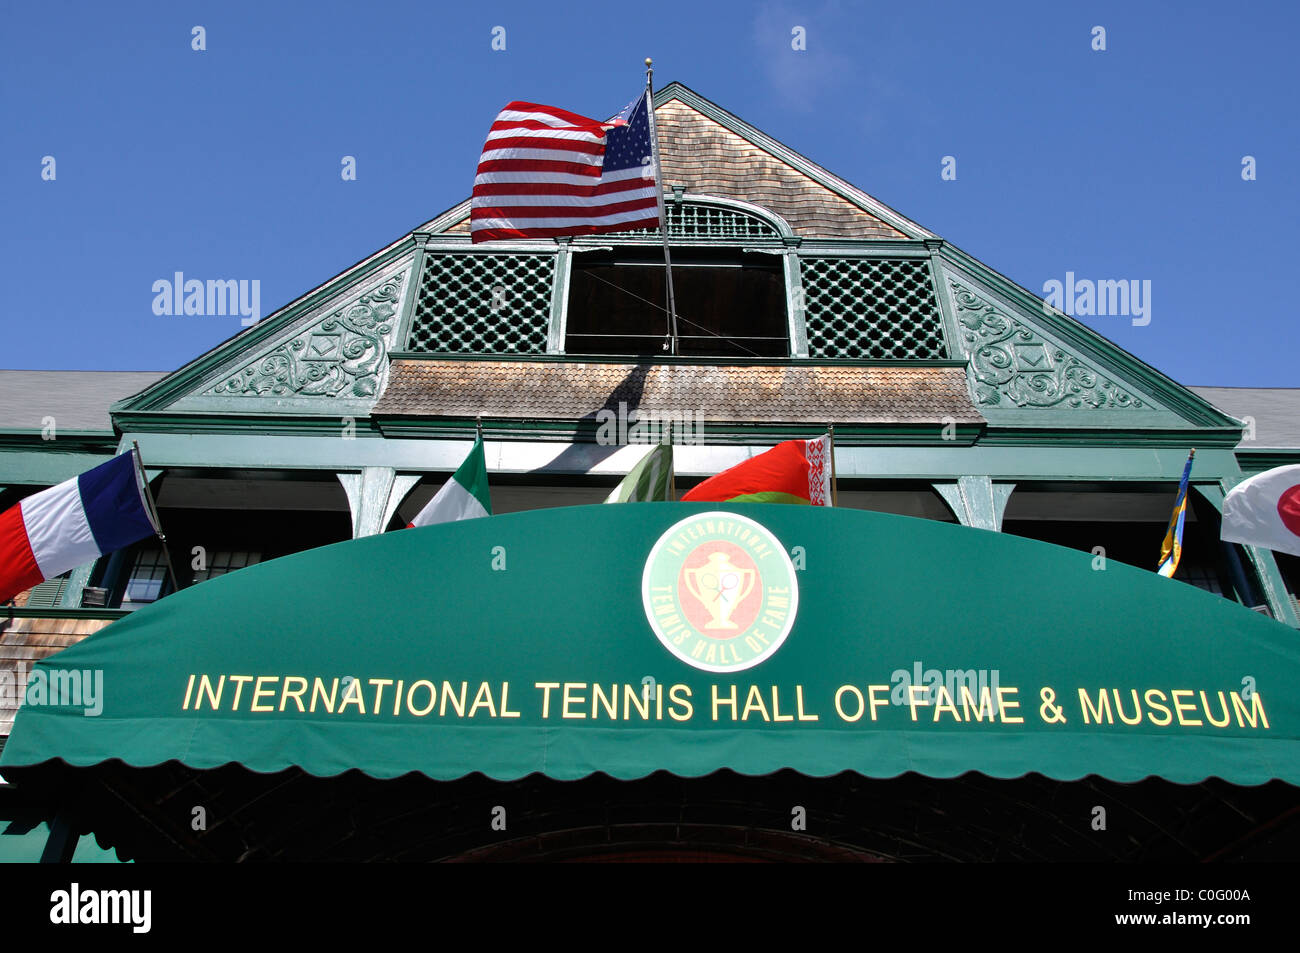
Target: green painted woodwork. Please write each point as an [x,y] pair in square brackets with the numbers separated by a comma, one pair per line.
[692,220]
[1084,344]
[343,354]
[1012,365]
[47,594]
[409,299]
[976,500]
[868,248]
[633,360]
[1257,461]
[1270,579]
[937,462]
[1280,602]
[188,383]
[475,647]
[871,308]
[483,303]
[1106,432]
[722,434]
[40,463]
[201,424]
[1109,430]
[374,495]
[796,302]
[558,326]
[78,580]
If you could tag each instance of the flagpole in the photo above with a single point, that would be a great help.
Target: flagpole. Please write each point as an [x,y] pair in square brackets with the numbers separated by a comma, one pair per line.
[659,193]
[835,495]
[153,514]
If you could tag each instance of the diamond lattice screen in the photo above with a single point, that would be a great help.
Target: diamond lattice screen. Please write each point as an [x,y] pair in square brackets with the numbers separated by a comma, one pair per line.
[881,309]
[483,304]
[696,222]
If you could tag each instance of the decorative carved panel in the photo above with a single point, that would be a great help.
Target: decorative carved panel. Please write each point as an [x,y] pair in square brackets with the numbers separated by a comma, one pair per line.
[1011,364]
[341,355]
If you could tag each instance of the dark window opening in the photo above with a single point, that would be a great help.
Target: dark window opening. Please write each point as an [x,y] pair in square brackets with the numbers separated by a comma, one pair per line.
[205,544]
[146,579]
[724,309]
[1203,563]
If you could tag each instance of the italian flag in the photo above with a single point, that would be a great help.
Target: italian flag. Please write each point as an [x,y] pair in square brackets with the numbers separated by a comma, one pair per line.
[796,471]
[463,497]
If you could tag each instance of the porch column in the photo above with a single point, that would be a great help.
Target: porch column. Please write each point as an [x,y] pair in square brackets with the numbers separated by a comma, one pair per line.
[1270,577]
[373,496]
[977,500]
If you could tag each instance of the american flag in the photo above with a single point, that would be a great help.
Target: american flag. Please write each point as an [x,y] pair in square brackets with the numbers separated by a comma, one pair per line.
[547,172]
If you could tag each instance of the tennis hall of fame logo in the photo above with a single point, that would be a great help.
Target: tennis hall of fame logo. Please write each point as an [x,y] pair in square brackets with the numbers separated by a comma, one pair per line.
[720,592]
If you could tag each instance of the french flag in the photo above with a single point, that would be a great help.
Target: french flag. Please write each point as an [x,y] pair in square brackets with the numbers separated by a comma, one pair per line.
[69,525]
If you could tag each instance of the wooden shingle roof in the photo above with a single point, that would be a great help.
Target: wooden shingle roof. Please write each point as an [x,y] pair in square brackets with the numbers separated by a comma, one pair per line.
[791,393]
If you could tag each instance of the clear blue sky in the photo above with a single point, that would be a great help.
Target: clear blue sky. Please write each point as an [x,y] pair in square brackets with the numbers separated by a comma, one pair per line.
[225,163]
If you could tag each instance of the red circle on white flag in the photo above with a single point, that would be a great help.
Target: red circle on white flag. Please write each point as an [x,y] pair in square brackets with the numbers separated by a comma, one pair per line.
[1288,509]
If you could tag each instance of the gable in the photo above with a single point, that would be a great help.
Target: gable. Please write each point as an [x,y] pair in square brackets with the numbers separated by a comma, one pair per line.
[1031,366]
[876,287]
[703,156]
[326,353]
[707,151]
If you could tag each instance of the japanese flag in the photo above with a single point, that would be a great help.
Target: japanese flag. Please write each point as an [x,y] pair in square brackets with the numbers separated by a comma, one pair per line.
[1265,511]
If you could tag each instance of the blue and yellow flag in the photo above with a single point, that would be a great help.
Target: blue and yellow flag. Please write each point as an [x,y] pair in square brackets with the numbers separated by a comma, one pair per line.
[1172,548]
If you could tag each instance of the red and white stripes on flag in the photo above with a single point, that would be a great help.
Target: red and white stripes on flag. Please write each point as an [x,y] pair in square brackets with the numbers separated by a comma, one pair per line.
[547,172]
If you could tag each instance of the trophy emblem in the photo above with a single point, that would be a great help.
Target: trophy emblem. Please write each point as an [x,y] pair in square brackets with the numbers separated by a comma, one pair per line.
[720,586]
[719,591]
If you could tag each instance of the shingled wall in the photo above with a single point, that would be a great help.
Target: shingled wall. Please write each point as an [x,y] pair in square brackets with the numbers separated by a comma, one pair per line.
[25,643]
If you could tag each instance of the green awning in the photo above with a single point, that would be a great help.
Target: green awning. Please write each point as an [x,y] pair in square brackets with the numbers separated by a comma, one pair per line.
[23,842]
[632,638]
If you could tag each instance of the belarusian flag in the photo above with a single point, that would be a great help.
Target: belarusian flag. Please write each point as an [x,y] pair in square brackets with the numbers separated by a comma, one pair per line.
[649,480]
[796,471]
[463,497]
